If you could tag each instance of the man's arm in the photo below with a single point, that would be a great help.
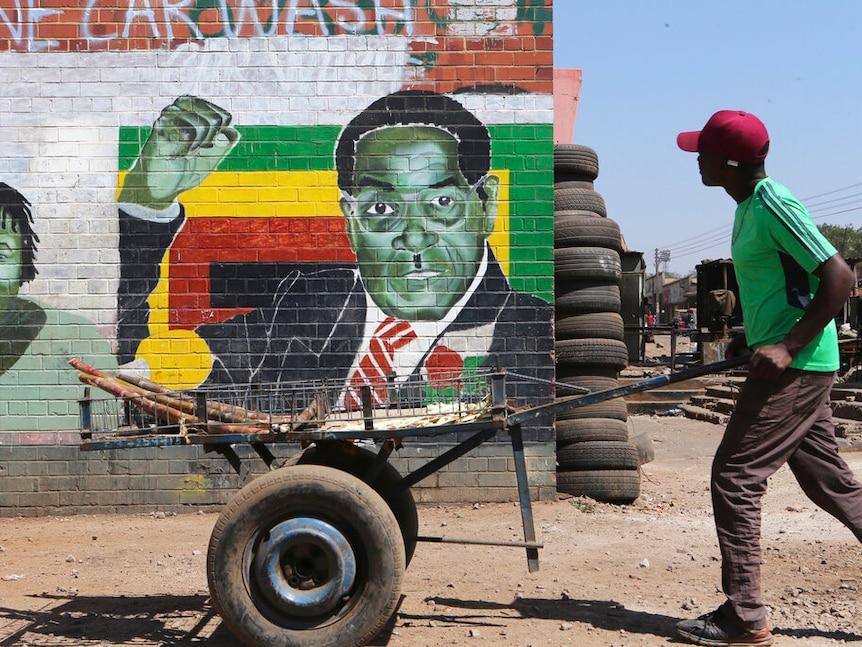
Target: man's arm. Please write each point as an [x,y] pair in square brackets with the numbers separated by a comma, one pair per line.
[836,280]
[188,141]
[142,245]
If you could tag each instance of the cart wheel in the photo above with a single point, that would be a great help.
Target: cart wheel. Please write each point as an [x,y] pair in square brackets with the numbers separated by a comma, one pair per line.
[357,460]
[306,556]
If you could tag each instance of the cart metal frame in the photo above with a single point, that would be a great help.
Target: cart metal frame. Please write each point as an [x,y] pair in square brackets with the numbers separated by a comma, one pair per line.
[481,430]
[484,414]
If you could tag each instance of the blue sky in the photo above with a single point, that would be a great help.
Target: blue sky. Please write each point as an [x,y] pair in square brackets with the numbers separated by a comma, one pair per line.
[653,69]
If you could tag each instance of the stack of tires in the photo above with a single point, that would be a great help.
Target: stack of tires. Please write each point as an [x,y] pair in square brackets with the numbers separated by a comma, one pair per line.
[594,457]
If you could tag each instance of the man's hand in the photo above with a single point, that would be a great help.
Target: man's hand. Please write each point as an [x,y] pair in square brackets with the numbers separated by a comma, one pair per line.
[769,362]
[189,140]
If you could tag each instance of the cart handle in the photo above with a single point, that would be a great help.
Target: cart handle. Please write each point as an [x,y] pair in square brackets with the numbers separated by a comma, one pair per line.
[575,401]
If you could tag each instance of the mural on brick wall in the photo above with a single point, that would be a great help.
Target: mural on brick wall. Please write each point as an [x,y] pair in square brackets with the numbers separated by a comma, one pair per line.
[38,388]
[404,281]
[228,192]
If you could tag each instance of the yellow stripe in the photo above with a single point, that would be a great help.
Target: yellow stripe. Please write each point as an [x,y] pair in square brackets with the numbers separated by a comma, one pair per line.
[179,359]
[287,194]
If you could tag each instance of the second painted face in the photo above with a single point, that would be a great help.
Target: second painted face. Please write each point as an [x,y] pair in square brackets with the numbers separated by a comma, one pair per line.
[10,263]
[417,227]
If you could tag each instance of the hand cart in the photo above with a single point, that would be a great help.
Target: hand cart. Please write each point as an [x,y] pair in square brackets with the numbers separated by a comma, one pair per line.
[313,552]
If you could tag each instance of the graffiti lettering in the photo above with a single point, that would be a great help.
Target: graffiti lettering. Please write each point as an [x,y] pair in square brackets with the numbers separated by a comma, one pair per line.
[145,13]
[164,23]
[124,25]
[170,13]
[22,26]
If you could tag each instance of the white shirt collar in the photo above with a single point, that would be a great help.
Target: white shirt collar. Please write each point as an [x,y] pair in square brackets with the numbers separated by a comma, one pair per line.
[427,332]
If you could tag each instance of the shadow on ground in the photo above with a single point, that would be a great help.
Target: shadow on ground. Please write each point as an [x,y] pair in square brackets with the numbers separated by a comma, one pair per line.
[601,614]
[163,620]
[178,621]
[158,620]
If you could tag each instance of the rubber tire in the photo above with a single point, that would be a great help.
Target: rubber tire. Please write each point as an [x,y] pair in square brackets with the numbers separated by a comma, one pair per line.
[587,264]
[316,492]
[577,297]
[595,379]
[586,380]
[576,182]
[566,179]
[576,158]
[357,460]
[591,429]
[612,408]
[590,325]
[580,200]
[594,352]
[585,229]
[598,455]
[611,486]
[578,374]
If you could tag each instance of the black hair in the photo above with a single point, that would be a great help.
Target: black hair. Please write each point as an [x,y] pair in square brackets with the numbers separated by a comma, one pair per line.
[15,210]
[422,108]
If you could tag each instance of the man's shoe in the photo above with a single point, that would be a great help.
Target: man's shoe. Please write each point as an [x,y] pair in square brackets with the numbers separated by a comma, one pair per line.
[715,628]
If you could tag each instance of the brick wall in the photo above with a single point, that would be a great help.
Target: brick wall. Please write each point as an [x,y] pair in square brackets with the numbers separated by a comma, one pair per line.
[61,480]
[218,239]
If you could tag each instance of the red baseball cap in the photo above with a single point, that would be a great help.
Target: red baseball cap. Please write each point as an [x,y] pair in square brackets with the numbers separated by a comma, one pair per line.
[731,134]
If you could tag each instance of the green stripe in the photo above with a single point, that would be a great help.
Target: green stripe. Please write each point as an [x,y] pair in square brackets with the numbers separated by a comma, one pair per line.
[792,222]
[527,151]
[260,148]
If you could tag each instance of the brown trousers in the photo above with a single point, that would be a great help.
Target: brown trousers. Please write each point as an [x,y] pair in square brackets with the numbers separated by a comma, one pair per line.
[788,421]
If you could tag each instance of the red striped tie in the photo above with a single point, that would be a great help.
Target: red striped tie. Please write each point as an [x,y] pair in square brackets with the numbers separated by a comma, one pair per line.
[376,364]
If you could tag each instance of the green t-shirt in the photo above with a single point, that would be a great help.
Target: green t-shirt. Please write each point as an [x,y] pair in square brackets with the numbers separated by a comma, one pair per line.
[775,249]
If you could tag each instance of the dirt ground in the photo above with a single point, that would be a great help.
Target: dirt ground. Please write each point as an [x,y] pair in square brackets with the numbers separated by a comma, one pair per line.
[610,575]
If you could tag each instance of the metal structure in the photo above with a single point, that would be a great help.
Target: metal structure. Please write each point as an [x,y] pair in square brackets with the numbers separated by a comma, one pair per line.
[313,551]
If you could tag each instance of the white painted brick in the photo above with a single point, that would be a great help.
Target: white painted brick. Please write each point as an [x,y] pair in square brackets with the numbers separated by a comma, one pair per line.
[60,112]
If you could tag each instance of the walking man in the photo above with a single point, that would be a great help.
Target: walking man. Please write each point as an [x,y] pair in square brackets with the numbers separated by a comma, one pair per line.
[792,283]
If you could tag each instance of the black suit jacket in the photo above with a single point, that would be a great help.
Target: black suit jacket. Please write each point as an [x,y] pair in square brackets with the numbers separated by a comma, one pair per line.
[313,324]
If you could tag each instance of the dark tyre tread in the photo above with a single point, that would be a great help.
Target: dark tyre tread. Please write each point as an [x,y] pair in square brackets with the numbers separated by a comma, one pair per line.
[587,264]
[590,429]
[614,409]
[595,379]
[611,486]
[591,325]
[576,297]
[573,183]
[580,200]
[312,492]
[598,455]
[594,352]
[585,229]
[584,376]
[576,374]
[576,158]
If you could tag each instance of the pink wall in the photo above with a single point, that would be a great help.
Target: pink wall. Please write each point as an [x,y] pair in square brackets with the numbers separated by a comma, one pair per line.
[567,91]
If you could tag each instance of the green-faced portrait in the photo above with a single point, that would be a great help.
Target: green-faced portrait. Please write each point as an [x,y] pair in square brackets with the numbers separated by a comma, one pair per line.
[417,226]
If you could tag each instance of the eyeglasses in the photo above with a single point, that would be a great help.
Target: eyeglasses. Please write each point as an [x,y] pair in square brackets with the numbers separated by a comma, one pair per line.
[381,210]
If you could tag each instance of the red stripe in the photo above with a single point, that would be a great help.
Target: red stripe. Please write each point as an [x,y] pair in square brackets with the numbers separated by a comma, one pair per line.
[377,362]
[381,355]
[405,339]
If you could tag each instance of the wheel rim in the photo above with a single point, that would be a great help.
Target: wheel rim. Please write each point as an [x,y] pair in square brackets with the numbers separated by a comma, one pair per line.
[304,567]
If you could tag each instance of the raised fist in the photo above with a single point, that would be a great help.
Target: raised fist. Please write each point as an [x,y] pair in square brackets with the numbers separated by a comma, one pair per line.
[189,140]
